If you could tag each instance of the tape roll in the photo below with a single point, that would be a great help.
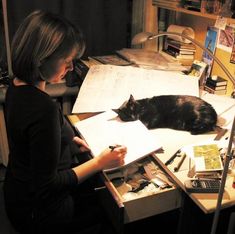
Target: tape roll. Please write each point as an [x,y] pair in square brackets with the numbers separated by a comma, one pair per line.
[186,31]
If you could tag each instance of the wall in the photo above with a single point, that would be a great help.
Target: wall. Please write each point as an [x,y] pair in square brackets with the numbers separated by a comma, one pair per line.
[200,24]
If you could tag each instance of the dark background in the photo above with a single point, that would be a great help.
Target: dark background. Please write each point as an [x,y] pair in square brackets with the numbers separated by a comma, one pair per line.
[106,23]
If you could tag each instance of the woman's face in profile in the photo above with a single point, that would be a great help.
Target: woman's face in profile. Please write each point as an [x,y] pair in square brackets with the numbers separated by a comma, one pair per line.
[55,69]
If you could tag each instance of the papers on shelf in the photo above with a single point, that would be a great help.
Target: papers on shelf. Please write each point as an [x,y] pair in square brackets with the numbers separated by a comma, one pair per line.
[106,129]
[150,59]
[107,86]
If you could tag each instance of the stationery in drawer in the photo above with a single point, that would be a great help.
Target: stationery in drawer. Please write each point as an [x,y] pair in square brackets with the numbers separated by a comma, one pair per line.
[139,190]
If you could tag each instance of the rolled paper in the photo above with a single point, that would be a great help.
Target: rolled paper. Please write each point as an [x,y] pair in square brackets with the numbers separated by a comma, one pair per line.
[186,31]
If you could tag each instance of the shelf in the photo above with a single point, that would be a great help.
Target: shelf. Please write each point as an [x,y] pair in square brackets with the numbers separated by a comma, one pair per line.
[190,12]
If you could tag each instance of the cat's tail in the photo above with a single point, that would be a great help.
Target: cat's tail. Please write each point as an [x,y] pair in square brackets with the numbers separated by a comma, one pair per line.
[220,132]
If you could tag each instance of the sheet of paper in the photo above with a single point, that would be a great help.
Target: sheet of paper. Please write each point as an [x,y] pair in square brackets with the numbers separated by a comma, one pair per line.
[219,102]
[106,129]
[224,107]
[107,87]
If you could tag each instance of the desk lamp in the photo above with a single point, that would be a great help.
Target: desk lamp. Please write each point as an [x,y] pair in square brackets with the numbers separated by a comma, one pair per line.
[144,37]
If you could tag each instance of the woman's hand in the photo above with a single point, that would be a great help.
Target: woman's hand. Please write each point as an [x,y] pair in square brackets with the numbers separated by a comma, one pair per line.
[82,144]
[107,159]
[110,158]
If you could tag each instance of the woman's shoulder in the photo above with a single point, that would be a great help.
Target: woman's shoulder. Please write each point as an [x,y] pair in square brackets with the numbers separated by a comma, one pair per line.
[28,96]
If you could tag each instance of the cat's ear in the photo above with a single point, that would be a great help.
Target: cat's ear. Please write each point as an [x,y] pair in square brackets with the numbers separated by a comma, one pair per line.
[131,99]
[116,110]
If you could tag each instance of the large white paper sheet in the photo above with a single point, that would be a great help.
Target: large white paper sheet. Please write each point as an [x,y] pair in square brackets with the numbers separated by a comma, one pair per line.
[224,107]
[105,129]
[107,86]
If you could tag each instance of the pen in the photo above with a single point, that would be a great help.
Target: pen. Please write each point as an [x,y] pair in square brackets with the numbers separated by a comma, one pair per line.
[180,163]
[171,159]
[112,147]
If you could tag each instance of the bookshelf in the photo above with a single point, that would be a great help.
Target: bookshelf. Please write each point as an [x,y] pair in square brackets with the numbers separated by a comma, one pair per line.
[190,12]
[151,21]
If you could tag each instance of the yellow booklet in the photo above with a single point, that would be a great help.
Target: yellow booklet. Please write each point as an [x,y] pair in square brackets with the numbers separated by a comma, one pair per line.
[206,157]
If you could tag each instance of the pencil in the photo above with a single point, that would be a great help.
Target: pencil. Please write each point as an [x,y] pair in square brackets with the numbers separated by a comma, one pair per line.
[112,147]
[171,159]
[180,163]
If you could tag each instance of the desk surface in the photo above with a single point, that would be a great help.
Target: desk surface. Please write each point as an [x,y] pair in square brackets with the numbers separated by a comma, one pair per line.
[171,141]
[206,201]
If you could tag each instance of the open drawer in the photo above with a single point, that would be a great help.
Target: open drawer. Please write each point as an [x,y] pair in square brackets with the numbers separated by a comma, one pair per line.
[125,202]
[123,210]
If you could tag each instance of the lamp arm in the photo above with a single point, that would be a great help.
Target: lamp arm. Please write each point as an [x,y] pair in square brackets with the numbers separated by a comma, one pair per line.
[151,37]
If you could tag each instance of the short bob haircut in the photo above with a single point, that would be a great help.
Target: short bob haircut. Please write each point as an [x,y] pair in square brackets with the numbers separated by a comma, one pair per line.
[40,36]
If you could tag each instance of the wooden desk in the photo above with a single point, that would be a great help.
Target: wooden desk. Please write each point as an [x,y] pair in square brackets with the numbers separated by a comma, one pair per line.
[171,140]
[121,211]
[206,202]
[56,91]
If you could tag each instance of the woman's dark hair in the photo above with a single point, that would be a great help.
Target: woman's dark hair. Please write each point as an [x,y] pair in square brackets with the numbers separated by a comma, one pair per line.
[40,36]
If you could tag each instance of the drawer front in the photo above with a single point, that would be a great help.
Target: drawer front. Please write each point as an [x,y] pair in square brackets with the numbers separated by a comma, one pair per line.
[123,211]
[111,202]
[152,205]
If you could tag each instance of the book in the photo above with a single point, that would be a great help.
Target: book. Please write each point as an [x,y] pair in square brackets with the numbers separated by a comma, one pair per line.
[222,87]
[219,81]
[194,5]
[179,55]
[185,62]
[183,52]
[210,44]
[180,45]
[185,56]
[105,129]
[206,157]
[175,51]
[210,90]
[198,69]
[164,3]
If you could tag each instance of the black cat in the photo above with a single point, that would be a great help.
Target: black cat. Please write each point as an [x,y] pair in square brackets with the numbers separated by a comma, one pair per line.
[180,112]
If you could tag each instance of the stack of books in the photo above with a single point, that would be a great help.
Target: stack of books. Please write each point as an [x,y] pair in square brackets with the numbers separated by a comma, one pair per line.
[216,85]
[205,159]
[183,52]
[194,5]
[166,3]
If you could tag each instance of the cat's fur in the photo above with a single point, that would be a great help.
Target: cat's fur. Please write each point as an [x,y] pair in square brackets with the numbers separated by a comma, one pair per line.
[180,112]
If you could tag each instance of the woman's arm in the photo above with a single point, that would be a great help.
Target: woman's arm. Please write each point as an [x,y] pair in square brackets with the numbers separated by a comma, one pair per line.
[106,160]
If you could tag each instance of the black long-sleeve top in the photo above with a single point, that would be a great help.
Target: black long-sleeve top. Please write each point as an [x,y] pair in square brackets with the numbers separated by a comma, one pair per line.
[38,175]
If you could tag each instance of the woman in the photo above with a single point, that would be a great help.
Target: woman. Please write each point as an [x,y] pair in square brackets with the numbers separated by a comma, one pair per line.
[40,183]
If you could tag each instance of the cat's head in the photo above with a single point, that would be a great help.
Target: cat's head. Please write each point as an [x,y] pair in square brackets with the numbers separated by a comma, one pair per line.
[128,110]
